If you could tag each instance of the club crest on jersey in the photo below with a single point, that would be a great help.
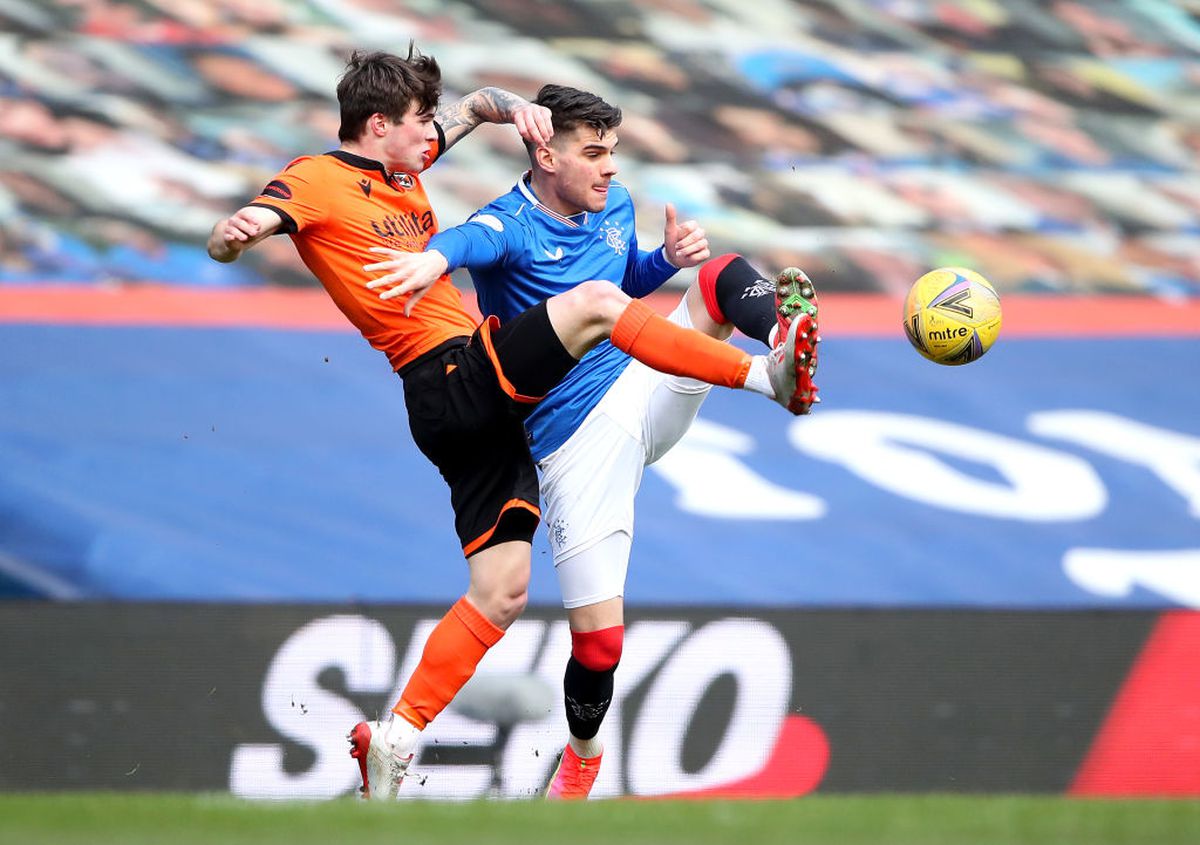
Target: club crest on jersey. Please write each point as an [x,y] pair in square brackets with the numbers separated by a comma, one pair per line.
[614,236]
[403,180]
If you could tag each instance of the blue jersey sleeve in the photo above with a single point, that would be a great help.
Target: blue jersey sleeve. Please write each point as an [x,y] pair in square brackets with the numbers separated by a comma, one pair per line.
[646,271]
[483,241]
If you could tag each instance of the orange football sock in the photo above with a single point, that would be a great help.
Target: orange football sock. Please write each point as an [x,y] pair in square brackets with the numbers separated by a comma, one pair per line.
[451,654]
[660,344]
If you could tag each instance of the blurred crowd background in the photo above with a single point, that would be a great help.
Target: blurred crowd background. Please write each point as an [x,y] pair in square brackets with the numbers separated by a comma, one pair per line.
[1051,145]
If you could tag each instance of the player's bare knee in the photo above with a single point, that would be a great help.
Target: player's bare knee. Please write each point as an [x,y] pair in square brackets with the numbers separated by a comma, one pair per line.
[586,314]
[503,605]
[608,302]
[596,305]
[510,606]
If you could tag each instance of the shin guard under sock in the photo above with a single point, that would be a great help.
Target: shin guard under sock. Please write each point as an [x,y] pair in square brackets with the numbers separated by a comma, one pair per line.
[661,345]
[734,292]
[588,682]
[451,654]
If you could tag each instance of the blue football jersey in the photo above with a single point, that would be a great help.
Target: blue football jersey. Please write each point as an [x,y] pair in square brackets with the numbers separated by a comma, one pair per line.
[522,252]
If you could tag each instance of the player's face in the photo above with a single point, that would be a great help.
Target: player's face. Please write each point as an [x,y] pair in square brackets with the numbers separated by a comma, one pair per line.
[406,144]
[584,165]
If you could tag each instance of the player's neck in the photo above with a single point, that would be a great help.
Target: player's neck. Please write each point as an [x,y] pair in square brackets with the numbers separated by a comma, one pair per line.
[543,189]
[367,151]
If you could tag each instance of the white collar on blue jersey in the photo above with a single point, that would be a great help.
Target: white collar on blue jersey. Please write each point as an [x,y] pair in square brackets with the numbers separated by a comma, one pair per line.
[526,189]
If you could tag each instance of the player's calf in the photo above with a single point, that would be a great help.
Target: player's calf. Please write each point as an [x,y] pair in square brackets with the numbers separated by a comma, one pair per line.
[587,694]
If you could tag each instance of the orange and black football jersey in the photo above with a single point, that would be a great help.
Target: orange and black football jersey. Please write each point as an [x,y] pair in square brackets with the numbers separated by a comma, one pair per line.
[336,207]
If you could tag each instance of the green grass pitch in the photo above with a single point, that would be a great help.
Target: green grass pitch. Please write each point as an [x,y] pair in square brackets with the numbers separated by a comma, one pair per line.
[92,818]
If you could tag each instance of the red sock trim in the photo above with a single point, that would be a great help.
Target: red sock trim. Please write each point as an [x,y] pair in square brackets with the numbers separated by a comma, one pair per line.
[598,650]
[708,284]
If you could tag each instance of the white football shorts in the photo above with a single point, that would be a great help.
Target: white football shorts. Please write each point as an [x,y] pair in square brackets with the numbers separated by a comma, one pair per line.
[588,484]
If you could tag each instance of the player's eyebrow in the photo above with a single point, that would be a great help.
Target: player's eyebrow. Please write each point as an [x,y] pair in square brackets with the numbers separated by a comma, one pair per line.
[596,145]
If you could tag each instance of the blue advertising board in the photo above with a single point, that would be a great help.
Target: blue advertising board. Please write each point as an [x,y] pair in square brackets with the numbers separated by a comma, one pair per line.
[246,464]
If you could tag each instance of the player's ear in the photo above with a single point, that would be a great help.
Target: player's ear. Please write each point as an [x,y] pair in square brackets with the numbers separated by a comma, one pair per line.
[545,158]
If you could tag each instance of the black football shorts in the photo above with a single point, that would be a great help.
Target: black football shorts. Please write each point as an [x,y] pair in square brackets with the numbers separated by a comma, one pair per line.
[467,401]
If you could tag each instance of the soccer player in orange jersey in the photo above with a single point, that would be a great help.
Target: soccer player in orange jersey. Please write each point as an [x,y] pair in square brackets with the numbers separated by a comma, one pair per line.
[467,387]
[569,218]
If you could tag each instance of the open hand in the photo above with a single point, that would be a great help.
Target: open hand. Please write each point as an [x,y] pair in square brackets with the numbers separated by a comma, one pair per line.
[411,273]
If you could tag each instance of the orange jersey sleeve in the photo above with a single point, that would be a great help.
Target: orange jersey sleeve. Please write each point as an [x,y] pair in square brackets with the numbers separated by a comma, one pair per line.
[336,207]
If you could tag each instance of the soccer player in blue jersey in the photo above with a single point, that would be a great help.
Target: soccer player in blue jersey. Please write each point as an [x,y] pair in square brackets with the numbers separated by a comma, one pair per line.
[567,221]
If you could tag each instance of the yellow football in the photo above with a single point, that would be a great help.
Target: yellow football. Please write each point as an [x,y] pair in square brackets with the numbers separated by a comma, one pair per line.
[952,315]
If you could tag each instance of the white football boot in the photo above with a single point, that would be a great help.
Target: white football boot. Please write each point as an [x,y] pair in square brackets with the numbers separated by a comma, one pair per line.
[792,364]
[384,751]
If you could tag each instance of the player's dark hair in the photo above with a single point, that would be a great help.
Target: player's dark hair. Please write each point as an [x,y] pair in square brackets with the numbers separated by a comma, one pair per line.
[385,83]
[571,108]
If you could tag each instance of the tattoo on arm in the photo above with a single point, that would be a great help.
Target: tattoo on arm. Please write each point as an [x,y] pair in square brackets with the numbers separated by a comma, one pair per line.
[487,105]
[454,117]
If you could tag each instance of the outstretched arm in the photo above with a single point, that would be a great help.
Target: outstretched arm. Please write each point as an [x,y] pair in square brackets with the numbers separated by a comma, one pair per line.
[233,235]
[482,241]
[494,105]
[409,274]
